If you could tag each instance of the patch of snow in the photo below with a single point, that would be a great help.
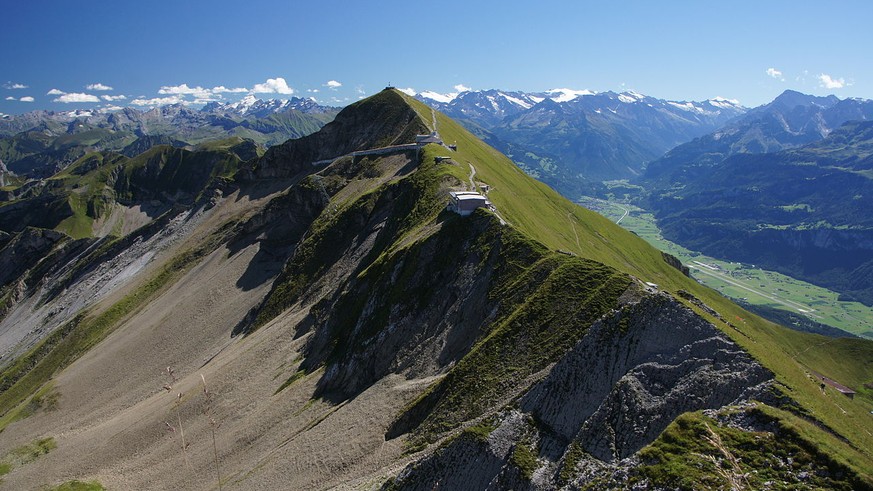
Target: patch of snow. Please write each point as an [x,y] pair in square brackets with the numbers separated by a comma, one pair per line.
[687,106]
[567,95]
[516,100]
[536,99]
[626,99]
[444,98]
[244,104]
[724,103]
[493,103]
[79,113]
[722,99]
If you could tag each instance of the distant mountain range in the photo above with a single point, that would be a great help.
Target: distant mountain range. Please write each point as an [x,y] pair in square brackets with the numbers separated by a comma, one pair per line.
[791,120]
[785,187]
[573,139]
[40,143]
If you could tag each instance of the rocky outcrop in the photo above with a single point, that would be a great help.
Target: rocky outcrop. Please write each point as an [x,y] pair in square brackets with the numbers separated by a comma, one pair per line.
[676,263]
[24,250]
[382,120]
[633,373]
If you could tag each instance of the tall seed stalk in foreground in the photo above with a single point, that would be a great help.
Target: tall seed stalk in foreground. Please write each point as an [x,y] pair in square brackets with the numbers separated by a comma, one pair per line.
[171,375]
[207,411]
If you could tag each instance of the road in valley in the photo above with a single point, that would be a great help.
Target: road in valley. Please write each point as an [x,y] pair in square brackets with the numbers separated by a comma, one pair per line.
[787,303]
[622,217]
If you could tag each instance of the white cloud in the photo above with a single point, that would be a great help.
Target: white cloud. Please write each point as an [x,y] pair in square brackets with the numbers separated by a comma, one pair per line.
[271,86]
[159,101]
[107,97]
[360,90]
[111,108]
[462,88]
[77,97]
[201,95]
[12,86]
[98,86]
[333,84]
[55,92]
[829,82]
[777,74]
[26,98]
[183,89]
[221,89]
[408,91]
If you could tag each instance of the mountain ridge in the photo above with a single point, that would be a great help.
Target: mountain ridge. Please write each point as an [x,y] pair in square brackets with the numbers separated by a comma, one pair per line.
[574,139]
[333,273]
[40,143]
[791,120]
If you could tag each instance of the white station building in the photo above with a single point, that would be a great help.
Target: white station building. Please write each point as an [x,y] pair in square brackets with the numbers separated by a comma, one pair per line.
[466,202]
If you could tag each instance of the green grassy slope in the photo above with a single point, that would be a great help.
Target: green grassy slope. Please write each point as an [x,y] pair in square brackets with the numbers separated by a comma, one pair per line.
[540,212]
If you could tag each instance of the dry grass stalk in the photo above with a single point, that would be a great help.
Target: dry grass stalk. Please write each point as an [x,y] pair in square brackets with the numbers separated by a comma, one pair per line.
[171,375]
[207,411]
[735,476]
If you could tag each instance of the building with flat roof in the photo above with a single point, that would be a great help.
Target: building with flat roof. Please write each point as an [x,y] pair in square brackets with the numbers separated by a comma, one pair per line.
[466,202]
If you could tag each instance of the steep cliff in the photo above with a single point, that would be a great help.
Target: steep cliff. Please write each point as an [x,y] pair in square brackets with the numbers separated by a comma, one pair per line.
[613,393]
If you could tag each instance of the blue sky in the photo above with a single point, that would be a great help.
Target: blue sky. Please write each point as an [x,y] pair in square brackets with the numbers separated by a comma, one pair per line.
[679,50]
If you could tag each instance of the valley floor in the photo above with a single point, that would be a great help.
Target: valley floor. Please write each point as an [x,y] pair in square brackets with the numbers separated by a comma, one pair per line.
[744,282]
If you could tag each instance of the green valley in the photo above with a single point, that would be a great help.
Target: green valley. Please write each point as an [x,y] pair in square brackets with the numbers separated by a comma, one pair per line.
[745,282]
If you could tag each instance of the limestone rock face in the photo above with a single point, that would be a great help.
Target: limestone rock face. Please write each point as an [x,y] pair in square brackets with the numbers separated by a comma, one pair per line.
[633,373]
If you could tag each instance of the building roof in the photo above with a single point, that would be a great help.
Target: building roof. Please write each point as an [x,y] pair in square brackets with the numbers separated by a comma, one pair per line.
[466,195]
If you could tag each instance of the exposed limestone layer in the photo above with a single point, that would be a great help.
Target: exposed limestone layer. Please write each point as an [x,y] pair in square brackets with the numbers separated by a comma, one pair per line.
[612,394]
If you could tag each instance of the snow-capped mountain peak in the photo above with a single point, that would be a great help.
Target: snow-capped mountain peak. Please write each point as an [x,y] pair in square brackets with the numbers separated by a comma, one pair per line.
[251,106]
[436,96]
[723,103]
[567,95]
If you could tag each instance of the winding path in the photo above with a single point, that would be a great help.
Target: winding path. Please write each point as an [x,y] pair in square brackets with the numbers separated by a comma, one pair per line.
[433,118]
